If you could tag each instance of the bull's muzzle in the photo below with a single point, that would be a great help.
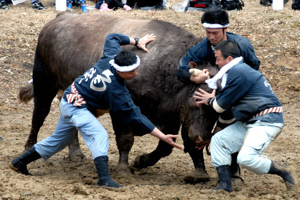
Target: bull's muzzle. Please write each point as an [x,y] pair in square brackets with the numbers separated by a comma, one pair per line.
[200,143]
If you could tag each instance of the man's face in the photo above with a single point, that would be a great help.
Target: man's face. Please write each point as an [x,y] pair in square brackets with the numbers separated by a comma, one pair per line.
[128,75]
[220,61]
[216,35]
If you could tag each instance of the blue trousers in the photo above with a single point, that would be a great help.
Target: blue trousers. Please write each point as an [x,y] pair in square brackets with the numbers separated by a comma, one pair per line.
[72,119]
[250,140]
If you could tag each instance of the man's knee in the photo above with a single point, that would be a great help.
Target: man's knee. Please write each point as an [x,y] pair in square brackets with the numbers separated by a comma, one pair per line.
[245,159]
[215,140]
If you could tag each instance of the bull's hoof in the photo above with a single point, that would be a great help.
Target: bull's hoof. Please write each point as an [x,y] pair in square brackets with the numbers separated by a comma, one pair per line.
[123,169]
[136,164]
[139,163]
[133,169]
[197,177]
[76,155]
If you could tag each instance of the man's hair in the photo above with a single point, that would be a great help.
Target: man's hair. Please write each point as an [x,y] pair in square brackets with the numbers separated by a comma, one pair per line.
[228,48]
[125,58]
[215,16]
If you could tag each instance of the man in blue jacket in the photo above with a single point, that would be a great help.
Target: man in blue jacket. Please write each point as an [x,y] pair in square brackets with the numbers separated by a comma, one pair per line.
[215,22]
[258,115]
[103,88]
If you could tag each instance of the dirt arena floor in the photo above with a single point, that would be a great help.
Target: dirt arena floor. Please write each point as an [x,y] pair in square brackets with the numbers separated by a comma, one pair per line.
[275,36]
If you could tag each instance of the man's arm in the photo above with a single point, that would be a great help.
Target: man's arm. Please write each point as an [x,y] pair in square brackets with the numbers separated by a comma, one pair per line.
[114,41]
[141,42]
[248,53]
[183,70]
[166,138]
[239,80]
[196,54]
[129,113]
[251,59]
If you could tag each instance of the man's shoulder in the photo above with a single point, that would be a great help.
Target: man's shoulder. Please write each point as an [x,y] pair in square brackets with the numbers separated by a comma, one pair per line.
[241,68]
[202,43]
[103,62]
[201,48]
[243,71]
[237,38]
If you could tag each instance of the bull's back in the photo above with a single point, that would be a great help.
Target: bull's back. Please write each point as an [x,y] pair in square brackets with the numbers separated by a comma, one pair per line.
[70,44]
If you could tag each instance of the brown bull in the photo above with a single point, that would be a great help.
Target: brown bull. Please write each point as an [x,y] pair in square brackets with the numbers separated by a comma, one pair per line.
[70,44]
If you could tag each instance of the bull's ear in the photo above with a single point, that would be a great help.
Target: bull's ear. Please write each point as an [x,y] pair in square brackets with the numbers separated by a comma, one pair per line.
[192,64]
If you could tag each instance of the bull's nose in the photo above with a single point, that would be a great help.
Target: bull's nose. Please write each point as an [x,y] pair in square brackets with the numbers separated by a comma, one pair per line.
[198,140]
[200,144]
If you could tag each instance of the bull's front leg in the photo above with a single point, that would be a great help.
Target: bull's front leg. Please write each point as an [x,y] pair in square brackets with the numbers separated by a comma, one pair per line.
[146,160]
[124,143]
[124,139]
[199,175]
[170,125]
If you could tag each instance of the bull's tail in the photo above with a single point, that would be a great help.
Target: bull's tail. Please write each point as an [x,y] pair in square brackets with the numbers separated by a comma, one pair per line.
[26,93]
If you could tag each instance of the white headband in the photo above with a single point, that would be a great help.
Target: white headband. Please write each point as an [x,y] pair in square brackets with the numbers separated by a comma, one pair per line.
[125,68]
[208,25]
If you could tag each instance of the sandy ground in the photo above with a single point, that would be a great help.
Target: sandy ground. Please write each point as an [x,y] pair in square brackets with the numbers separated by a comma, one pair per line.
[275,36]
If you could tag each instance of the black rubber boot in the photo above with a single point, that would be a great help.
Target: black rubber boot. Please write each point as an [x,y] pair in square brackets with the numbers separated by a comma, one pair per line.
[285,173]
[101,163]
[20,164]
[224,178]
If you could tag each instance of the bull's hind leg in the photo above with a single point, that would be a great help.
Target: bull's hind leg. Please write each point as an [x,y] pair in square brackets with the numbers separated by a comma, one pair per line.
[44,91]
[43,97]
[74,148]
[125,140]
[199,174]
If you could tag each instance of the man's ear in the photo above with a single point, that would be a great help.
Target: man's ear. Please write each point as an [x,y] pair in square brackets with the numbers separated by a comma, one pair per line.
[229,58]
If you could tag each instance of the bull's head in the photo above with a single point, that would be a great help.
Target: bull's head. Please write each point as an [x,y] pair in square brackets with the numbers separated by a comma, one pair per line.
[198,122]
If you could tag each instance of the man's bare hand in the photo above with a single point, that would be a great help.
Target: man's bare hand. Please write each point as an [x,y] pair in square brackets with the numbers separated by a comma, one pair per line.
[169,139]
[201,96]
[200,77]
[145,40]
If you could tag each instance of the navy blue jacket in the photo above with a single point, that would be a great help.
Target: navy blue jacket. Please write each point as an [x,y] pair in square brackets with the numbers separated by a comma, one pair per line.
[203,52]
[246,93]
[102,88]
